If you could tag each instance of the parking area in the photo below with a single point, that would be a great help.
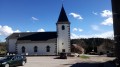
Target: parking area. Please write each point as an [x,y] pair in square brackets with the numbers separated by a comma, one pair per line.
[49,61]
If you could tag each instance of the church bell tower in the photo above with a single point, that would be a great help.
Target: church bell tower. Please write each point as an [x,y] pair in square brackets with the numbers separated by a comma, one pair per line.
[63,32]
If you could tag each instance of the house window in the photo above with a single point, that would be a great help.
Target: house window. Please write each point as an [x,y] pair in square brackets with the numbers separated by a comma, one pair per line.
[63,50]
[48,49]
[35,49]
[63,27]
[23,49]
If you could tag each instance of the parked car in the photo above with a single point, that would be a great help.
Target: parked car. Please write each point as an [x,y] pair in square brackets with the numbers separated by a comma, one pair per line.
[111,54]
[93,53]
[13,60]
[63,55]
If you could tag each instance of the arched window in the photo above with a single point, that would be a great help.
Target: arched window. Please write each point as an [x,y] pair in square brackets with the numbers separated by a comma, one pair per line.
[23,49]
[35,49]
[63,27]
[48,49]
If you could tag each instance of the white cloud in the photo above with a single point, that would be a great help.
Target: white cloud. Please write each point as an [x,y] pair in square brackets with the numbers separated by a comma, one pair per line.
[41,30]
[75,15]
[17,31]
[108,34]
[80,30]
[77,29]
[108,21]
[106,13]
[95,13]
[95,27]
[6,30]
[27,31]
[34,18]
[74,36]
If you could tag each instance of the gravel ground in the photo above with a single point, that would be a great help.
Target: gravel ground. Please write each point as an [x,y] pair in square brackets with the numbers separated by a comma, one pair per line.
[49,61]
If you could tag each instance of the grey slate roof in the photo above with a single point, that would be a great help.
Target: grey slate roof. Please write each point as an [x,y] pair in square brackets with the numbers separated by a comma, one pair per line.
[21,34]
[63,17]
[33,36]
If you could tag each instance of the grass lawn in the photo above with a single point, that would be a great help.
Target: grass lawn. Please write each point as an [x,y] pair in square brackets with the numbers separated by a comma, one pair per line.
[84,57]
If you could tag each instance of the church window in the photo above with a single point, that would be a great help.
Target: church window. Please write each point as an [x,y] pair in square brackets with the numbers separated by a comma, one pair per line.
[35,49]
[63,27]
[48,49]
[23,49]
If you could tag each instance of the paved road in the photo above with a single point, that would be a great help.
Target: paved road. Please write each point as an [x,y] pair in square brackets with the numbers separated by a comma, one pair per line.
[49,61]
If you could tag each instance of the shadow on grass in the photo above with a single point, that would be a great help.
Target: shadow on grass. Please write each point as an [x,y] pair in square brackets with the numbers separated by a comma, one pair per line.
[105,64]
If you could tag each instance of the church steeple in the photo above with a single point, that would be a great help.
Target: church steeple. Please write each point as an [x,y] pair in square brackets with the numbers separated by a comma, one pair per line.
[63,17]
[63,32]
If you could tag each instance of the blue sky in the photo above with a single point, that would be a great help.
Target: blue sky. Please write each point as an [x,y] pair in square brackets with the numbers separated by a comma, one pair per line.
[89,18]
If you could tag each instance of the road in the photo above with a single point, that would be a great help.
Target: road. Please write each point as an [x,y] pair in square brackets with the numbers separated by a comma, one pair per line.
[49,61]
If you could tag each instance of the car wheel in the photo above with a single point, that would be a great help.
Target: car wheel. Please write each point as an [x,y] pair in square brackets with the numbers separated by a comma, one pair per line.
[23,63]
[6,65]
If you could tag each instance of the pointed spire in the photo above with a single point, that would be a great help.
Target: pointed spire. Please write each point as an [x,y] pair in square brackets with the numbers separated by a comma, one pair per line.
[63,17]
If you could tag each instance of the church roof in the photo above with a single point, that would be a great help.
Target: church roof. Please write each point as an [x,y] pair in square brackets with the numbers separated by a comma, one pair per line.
[63,17]
[34,36]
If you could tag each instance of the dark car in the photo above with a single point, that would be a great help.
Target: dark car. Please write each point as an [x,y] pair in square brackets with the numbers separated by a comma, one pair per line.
[63,55]
[13,60]
[111,54]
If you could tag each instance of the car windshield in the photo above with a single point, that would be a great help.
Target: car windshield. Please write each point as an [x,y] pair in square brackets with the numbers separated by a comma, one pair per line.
[7,57]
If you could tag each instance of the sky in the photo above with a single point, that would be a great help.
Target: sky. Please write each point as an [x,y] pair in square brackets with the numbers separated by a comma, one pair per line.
[88,18]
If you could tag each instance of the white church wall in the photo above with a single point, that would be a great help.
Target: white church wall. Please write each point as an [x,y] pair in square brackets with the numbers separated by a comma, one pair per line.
[12,45]
[41,48]
[63,38]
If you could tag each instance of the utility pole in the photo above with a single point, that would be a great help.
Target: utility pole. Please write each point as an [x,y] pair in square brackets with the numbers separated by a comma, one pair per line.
[116,26]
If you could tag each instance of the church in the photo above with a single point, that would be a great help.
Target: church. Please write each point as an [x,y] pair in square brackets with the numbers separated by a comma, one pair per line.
[42,43]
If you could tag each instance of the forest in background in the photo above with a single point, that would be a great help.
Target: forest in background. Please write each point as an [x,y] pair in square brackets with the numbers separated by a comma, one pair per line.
[92,43]
[3,48]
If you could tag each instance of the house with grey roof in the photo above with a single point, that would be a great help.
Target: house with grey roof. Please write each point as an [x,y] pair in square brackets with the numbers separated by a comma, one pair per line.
[42,43]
